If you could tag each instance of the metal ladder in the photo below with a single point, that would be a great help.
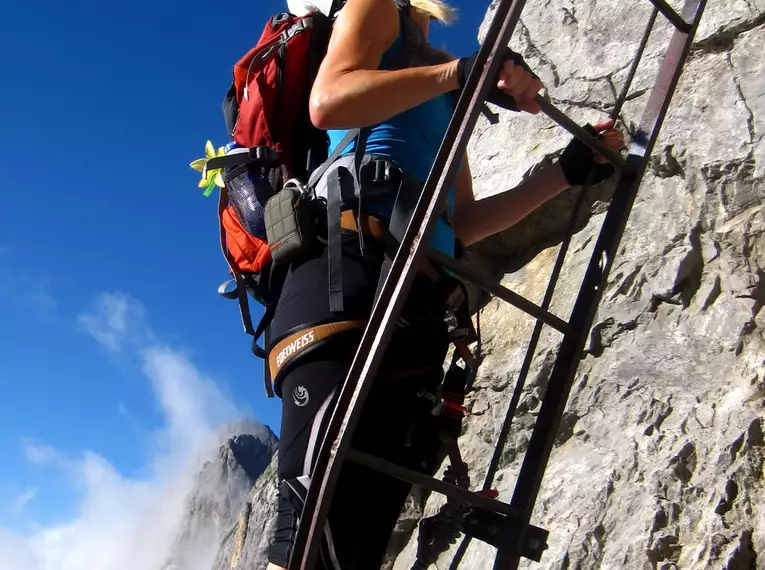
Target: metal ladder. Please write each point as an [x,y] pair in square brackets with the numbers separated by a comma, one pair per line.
[505,526]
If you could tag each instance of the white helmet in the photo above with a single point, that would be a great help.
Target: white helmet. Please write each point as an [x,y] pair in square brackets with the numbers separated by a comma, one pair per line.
[302,7]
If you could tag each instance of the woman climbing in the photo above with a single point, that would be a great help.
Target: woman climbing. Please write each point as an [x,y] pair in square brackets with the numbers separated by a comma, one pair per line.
[380,73]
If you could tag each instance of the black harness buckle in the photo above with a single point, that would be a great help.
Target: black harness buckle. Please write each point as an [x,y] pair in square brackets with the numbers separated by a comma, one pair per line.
[381,171]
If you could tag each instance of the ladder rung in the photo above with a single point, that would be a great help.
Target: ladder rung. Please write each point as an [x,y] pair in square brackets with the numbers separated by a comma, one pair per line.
[497,290]
[499,531]
[416,478]
[670,14]
[570,125]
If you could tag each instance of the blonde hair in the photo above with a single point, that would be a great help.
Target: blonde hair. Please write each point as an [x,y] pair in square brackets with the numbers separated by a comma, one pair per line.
[436,9]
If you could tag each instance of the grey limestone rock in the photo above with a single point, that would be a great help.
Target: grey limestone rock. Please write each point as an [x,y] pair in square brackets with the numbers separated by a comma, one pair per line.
[659,460]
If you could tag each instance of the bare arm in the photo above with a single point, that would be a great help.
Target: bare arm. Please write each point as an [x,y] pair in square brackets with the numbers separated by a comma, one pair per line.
[475,220]
[350,91]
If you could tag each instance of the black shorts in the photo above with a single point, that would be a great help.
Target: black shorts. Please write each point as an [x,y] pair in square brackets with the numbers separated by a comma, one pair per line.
[396,423]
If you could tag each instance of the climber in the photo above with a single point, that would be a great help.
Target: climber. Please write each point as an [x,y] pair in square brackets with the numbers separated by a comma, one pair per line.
[407,108]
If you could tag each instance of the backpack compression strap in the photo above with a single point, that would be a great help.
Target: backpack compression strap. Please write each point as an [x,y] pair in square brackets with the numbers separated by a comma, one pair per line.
[334,207]
[240,293]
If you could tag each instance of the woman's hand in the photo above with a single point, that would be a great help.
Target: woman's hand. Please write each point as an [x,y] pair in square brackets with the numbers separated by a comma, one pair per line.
[521,84]
[613,138]
[578,159]
[514,80]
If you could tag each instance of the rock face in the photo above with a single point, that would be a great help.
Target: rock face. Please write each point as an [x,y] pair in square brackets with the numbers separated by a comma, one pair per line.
[245,543]
[221,490]
[659,462]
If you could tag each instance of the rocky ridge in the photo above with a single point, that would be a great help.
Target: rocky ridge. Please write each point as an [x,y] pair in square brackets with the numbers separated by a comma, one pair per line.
[219,493]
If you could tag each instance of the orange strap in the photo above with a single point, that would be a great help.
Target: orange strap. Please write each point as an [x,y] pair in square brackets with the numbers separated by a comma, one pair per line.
[371,226]
[378,229]
[289,348]
[241,289]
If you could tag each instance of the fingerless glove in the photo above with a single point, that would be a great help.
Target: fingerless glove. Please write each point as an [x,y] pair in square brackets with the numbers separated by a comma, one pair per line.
[577,160]
[496,96]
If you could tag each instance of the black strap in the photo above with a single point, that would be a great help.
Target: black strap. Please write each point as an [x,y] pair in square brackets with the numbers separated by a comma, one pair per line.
[334,241]
[263,154]
[349,137]
[358,155]
[334,206]
[358,159]
[265,320]
[406,201]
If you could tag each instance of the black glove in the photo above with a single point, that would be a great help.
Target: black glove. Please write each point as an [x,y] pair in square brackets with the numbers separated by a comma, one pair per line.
[577,160]
[496,96]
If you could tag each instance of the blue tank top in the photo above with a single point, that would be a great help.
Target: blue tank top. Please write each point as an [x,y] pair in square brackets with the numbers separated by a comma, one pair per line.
[411,140]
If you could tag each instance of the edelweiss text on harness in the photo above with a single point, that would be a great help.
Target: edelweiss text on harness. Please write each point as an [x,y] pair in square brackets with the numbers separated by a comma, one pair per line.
[295,345]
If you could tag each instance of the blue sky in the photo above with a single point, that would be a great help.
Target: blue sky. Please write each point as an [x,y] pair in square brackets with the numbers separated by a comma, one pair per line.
[113,340]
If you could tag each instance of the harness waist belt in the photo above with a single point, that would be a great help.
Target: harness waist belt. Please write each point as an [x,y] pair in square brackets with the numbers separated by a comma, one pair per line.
[296,344]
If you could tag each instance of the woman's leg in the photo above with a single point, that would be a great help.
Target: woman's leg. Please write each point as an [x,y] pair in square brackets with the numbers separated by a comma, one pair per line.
[366,504]
[308,398]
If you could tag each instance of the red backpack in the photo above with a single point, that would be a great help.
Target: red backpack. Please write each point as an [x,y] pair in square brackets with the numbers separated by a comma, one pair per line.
[273,140]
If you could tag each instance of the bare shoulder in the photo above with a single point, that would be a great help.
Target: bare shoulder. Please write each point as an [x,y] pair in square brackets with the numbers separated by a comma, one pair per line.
[364,30]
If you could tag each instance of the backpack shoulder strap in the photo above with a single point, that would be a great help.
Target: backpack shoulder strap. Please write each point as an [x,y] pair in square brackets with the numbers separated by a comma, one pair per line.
[349,137]
[415,51]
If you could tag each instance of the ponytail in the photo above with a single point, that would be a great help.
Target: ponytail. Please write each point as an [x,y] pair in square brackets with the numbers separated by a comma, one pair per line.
[436,9]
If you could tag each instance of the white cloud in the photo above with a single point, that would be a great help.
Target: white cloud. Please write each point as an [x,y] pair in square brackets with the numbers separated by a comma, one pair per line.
[16,552]
[116,320]
[193,404]
[21,501]
[122,522]
[38,453]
